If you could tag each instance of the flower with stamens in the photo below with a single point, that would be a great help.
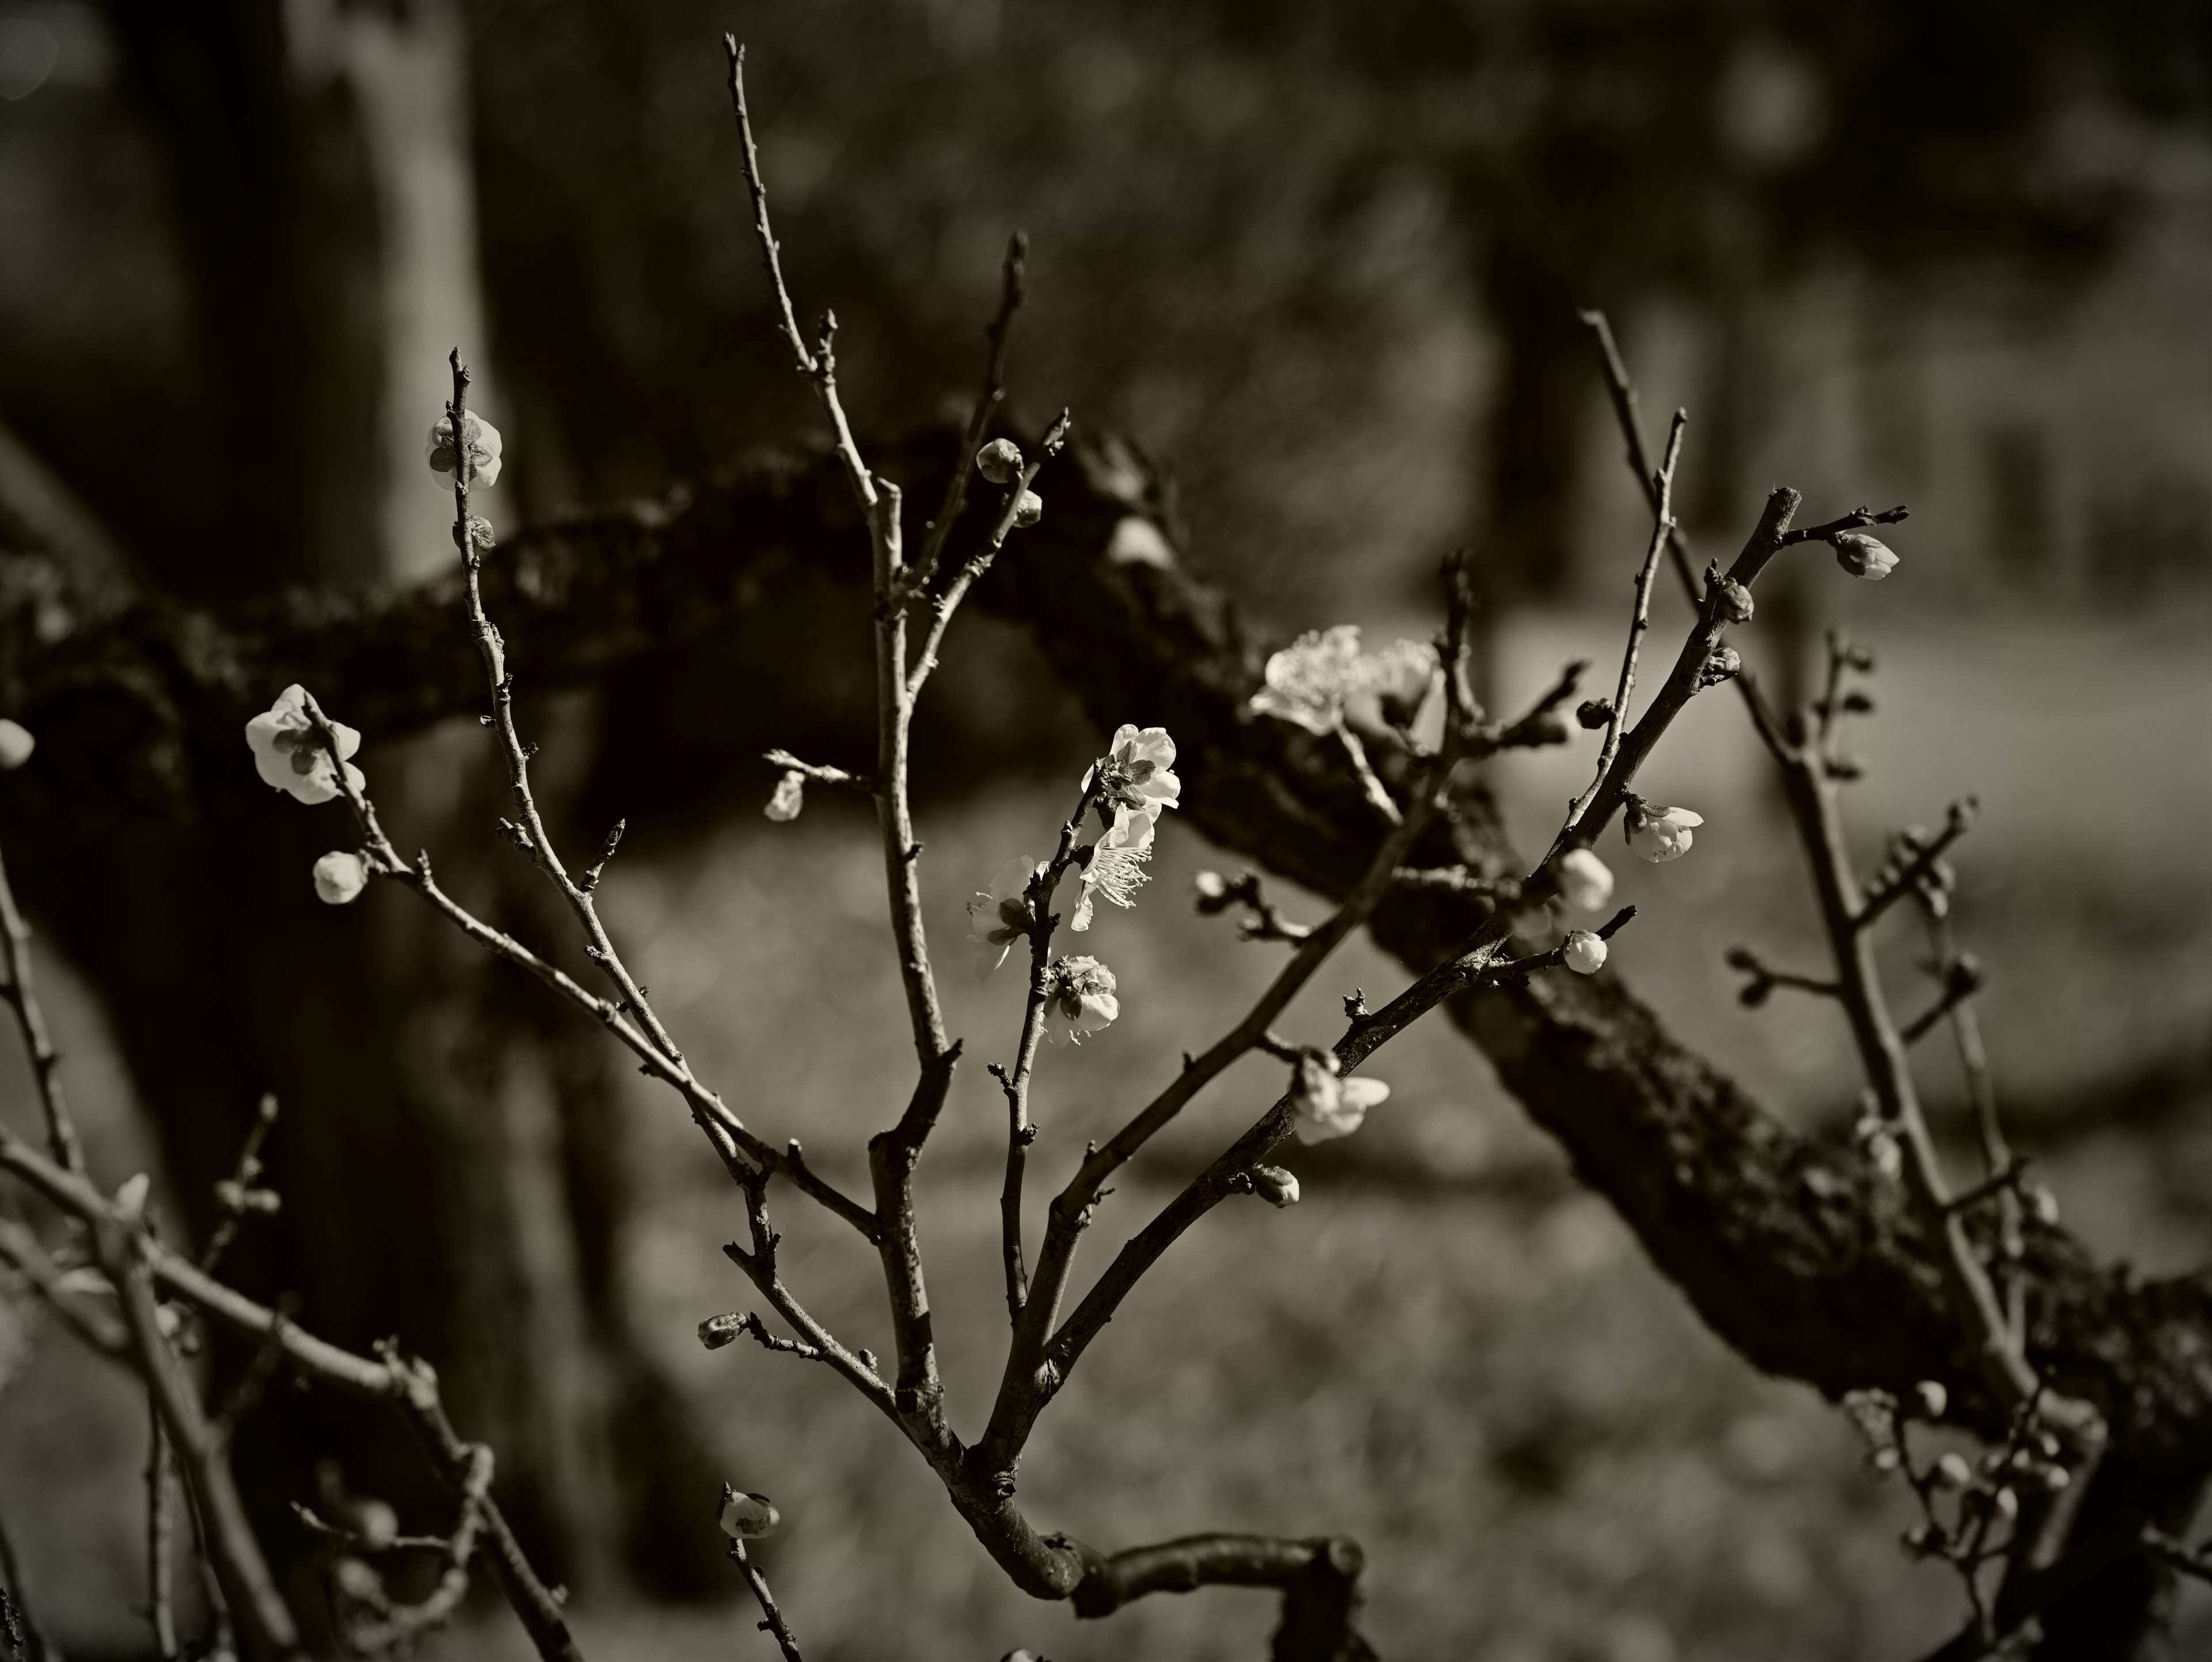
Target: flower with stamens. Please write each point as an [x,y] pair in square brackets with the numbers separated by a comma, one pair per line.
[1658,834]
[483,446]
[1863,556]
[1114,869]
[1585,952]
[1325,1105]
[340,876]
[290,756]
[1138,771]
[1001,915]
[1079,998]
[1585,881]
[790,796]
[1308,680]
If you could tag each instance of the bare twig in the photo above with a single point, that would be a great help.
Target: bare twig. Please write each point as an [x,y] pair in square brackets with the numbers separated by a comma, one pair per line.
[45,1062]
[772,1618]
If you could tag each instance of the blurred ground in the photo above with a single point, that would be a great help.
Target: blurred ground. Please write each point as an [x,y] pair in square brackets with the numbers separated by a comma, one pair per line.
[1445,1349]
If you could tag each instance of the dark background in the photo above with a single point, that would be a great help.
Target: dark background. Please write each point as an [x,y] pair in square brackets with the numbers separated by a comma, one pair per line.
[1322,262]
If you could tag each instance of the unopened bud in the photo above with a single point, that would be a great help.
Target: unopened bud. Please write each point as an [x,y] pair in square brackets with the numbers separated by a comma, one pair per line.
[340,876]
[2043,1204]
[1594,712]
[1933,1399]
[1735,602]
[130,1198]
[1721,664]
[1274,1186]
[1585,952]
[717,1331]
[1863,556]
[1029,508]
[17,745]
[790,796]
[746,1517]
[999,460]
[1951,1471]
[1210,885]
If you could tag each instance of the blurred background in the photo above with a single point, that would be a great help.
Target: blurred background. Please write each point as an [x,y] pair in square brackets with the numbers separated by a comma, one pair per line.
[1321,262]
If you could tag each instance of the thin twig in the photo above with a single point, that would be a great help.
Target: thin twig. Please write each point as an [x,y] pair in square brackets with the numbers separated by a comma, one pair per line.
[773,1622]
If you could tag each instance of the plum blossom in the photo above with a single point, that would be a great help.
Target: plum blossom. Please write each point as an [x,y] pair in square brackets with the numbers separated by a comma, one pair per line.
[290,758]
[1401,677]
[1079,998]
[17,745]
[1585,881]
[1863,556]
[1326,1107]
[1659,834]
[1002,914]
[790,796]
[744,1517]
[1308,680]
[1585,952]
[1115,868]
[484,445]
[1138,771]
[340,876]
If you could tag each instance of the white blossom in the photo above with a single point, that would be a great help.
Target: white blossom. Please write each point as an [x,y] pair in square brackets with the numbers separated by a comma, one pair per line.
[17,745]
[1139,771]
[746,1517]
[484,445]
[1659,834]
[1308,680]
[1401,677]
[1585,952]
[1079,998]
[790,796]
[1326,1105]
[1863,556]
[1115,868]
[340,876]
[999,460]
[1001,914]
[290,758]
[1585,881]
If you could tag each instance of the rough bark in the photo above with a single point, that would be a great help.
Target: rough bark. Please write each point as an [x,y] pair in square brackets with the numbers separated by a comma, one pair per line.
[1789,1248]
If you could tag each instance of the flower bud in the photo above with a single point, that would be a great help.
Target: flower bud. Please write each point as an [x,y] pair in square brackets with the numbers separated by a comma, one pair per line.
[1951,1471]
[2043,1204]
[717,1331]
[790,796]
[1029,508]
[1274,1186]
[1885,1458]
[1585,882]
[999,460]
[1210,885]
[1863,556]
[1934,1399]
[340,876]
[1594,712]
[1721,664]
[1585,952]
[17,745]
[1659,834]
[130,1197]
[1888,1157]
[1735,602]
[745,1517]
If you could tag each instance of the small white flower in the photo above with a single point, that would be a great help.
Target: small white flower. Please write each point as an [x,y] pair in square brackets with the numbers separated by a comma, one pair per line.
[484,443]
[1863,556]
[1029,508]
[1115,869]
[1308,680]
[1079,998]
[1139,771]
[790,796]
[340,876]
[1659,834]
[1585,952]
[1585,880]
[1001,915]
[746,1517]
[290,758]
[17,745]
[1325,1105]
[999,460]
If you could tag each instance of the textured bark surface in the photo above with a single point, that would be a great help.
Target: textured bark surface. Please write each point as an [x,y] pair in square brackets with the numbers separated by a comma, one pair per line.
[1791,1250]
